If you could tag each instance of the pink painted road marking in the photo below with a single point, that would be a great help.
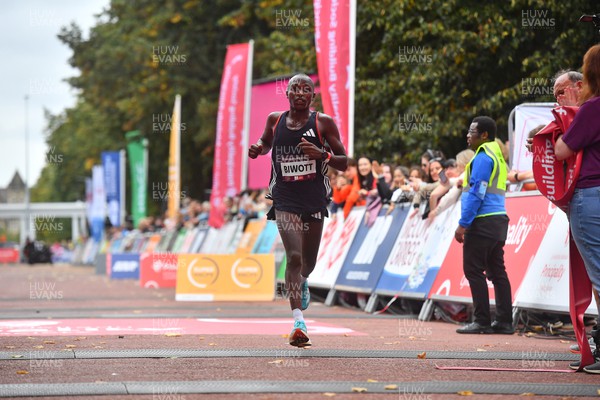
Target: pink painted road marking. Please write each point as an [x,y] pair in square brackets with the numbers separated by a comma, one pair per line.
[153,326]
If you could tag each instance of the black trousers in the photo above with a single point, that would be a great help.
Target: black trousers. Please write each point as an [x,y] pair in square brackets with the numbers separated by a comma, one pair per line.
[484,258]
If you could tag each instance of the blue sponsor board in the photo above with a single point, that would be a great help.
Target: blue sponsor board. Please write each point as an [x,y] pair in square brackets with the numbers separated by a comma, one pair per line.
[418,253]
[266,239]
[369,251]
[125,266]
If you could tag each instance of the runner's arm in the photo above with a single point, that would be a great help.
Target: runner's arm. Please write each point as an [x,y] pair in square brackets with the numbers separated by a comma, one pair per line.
[330,133]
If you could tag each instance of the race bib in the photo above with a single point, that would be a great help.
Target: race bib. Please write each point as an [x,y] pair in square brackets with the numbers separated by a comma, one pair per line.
[303,170]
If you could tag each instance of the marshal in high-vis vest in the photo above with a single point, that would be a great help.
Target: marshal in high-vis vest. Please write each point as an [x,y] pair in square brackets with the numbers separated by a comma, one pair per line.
[482,230]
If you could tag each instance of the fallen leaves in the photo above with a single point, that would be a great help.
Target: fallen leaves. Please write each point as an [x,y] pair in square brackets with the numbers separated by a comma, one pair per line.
[359,389]
[172,334]
[328,394]
[275,362]
[465,393]
[16,356]
[421,356]
[390,387]
[372,380]
[22,372]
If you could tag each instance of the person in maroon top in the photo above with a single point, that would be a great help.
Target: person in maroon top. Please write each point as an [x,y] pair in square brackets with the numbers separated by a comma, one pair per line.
[300,188]
[584,209]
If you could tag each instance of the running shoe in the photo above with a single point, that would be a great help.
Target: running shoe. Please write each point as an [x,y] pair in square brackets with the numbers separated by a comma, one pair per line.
[299,335]
[305,297]
[575,347]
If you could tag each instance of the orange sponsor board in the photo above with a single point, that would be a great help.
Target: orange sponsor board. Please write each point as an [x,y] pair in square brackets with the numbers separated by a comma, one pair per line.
[225,277]
[251,234]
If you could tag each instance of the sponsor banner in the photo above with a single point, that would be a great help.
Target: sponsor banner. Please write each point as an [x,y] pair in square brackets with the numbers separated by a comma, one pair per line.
[418,253]
[250,235]
[90,251]
[529,220]
[281,269]
[100,264]
[158,270]
[89,196]
[174,173]
[546,282]
[527,117]
[188,241]
[266,240]
[210,243]
[111,164]
[152,242]
[223,240]
[225,277]
[336,239]
[179,239]
[332,43]
[369,251]
[124,266]
[229,139]
[137,152]
[98,211]
[9,255]
[198,240]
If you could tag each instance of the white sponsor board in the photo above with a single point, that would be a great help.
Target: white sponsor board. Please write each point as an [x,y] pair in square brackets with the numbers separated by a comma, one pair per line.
[337,237]
[546,282]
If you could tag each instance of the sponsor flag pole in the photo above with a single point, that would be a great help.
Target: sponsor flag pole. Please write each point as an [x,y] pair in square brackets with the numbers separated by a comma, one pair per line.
[247,106]
[174,162]
[351,78]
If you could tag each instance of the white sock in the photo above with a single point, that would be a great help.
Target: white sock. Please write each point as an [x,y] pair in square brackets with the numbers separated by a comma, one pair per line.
[297,314]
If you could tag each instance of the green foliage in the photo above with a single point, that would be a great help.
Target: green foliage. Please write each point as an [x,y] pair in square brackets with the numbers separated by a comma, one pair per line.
[473,57]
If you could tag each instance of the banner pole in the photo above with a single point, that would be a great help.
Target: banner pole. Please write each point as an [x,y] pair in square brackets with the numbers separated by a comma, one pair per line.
[247,106]
[351,77]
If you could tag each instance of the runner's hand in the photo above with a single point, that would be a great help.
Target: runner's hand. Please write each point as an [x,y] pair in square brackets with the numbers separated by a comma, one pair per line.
[309,149]
[255,150]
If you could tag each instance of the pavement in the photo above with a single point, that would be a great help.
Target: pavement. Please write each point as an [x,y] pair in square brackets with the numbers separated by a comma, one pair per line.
[66,333]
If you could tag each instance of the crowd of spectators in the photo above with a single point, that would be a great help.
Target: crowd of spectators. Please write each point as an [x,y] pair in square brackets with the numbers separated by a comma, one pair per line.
[428,188]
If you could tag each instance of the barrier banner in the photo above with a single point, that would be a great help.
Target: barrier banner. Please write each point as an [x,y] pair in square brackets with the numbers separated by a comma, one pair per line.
[210,243]
[188,240]
[530,217]
[158,270]
[179,240]
[418,254]
[281,270]
[369,252]
[198,240]
[336,239]
[264,243]
[225,277]
[250,235]
[220,241]
[124,266]
[546,282]
[151,243]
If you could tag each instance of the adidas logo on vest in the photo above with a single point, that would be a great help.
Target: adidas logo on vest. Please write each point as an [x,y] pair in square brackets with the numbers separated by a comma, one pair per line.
[309,133]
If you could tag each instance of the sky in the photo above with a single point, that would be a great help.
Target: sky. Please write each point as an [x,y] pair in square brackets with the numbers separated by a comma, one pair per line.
[35,64]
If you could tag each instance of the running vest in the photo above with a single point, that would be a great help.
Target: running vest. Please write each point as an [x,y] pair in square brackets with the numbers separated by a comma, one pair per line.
[298,184]
[497,183]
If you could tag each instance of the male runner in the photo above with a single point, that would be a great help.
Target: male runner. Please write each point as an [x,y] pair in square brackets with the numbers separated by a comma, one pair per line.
[300,188]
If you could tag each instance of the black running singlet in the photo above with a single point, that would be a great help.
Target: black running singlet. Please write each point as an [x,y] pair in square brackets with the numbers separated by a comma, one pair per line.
[298,184]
